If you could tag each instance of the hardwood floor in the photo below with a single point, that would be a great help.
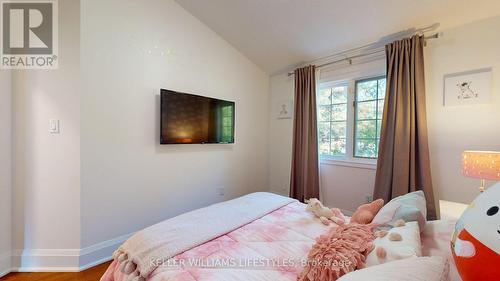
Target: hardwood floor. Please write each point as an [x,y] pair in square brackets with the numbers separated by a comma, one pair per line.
[91,274]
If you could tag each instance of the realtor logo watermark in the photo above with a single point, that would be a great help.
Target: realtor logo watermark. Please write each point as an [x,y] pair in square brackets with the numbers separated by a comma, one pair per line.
[29,34]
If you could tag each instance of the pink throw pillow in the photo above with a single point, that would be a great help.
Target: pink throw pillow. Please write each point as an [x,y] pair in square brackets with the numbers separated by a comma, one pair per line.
[366,212]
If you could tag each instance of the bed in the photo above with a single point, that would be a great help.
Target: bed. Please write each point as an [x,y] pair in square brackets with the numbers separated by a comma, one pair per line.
[273,245]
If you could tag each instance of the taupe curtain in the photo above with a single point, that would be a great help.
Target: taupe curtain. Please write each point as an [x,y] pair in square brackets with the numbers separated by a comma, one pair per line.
[304,182]
[403,161]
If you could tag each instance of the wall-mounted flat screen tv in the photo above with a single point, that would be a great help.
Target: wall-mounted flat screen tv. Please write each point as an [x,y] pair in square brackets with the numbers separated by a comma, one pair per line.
[187,118]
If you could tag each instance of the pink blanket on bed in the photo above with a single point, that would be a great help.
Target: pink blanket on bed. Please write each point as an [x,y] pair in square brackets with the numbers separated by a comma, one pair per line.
[273,248]
[142,253]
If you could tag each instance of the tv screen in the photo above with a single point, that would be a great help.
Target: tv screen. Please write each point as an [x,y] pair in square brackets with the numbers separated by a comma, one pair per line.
[187,118]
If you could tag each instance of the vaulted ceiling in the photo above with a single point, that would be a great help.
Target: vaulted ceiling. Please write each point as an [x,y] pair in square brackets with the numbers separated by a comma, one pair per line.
[277,34]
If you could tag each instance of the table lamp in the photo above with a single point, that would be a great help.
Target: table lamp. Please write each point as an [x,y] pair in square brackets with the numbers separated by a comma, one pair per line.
[483,165]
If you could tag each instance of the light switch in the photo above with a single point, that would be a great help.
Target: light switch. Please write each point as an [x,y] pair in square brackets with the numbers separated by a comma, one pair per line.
[54,126]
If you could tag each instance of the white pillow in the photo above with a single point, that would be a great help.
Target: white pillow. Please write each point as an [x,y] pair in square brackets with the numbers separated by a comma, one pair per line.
[408,207]
[412,269]
[409,246]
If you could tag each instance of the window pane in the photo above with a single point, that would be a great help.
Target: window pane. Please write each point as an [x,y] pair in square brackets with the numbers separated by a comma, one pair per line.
[369,112]
[380,111]
[324,147]
[338,130]
[332,120]
[339,112]
[366,110]
[366,148]
[338,146]
[366,130]
[324,131]
[339,94]
[381,88]
[366,90]
[324,113]
[324,97]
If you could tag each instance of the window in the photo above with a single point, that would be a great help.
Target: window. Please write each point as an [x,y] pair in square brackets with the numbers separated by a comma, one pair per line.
[349,118]
[332,120]
[369,107]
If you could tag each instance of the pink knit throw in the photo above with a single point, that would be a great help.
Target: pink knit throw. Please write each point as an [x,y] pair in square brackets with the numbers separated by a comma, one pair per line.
[338,252]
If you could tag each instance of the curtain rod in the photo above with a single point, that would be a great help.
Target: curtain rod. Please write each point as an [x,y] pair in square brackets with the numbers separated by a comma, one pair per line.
[349,59]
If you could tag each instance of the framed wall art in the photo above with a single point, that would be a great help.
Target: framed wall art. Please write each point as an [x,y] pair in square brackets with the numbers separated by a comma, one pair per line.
[284,110]
[467,88]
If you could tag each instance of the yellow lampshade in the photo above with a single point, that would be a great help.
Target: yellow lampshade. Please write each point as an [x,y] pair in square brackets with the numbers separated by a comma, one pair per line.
[483,165]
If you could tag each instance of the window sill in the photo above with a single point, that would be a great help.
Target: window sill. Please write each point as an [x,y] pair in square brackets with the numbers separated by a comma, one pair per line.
[360,164]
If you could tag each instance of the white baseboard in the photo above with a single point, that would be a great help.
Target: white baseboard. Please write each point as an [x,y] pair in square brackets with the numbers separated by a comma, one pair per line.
[5,272]
[5,265]
[41,260]
[65,260]
[100,252]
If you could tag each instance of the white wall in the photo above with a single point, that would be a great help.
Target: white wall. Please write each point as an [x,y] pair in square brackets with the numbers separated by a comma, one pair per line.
[346,186]
[455,129]
[128,180]
[46,168]
[281,89]
[78,194]
[451,129]
[5,171]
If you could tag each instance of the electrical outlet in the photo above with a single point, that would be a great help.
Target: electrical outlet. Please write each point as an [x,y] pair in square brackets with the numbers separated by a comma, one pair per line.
[221,191]
[368,198]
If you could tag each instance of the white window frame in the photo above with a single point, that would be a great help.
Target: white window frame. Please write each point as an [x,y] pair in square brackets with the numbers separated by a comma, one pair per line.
[332,84]
[348,159]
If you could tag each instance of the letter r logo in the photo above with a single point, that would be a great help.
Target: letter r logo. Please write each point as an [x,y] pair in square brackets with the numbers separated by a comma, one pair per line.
[27,28]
